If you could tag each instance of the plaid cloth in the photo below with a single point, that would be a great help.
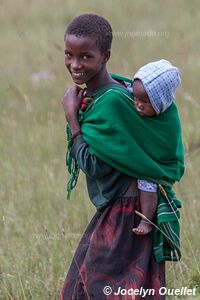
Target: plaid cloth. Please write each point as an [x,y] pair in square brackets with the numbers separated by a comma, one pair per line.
[160,80]
[166,241]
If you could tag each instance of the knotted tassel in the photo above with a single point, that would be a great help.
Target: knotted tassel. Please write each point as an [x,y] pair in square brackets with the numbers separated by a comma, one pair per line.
[71,164]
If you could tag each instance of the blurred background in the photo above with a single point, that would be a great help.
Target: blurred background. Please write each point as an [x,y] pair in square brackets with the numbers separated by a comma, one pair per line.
[39,227]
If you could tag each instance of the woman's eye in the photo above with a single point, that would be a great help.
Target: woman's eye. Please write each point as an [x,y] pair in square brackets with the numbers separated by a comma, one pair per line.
[85,57]
[68,55]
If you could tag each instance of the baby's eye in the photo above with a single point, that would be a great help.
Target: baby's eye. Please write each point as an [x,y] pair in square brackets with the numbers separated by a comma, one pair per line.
[145,101]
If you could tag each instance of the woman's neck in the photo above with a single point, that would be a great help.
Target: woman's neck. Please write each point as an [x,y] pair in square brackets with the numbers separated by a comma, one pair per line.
[101,78]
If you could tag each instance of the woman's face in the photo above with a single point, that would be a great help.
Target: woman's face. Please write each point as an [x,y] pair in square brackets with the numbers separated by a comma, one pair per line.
[84,60]
[141,100]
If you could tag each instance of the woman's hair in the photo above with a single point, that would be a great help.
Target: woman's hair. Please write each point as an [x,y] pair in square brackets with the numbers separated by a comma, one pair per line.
[91,25]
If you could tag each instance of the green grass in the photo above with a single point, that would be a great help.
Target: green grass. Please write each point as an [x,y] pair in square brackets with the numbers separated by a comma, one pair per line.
[39,228]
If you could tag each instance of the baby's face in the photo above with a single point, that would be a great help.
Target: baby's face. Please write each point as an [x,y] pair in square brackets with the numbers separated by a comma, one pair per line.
[141,100]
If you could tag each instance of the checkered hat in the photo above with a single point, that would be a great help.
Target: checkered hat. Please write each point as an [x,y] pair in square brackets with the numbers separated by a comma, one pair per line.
[160,80]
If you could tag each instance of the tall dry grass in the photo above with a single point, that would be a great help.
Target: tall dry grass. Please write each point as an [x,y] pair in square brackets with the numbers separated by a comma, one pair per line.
[39,229]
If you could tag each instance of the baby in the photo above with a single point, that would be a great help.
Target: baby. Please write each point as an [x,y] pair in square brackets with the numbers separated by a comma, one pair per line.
[153,89]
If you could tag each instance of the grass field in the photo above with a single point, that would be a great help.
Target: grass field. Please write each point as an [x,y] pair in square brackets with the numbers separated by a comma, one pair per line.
[39,228]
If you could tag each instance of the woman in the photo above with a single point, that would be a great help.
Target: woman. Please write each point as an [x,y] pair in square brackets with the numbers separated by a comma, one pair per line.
[110,261]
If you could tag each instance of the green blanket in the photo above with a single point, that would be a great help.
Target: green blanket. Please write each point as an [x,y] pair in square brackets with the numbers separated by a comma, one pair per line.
[142,147]
[147,148]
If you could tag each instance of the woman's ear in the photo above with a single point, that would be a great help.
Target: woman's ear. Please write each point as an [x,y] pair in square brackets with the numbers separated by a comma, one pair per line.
[106,56]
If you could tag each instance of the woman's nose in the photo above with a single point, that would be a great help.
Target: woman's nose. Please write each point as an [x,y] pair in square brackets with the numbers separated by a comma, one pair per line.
[75,64]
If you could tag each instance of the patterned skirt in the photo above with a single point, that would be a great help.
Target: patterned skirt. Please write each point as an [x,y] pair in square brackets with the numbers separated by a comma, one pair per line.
[111,262]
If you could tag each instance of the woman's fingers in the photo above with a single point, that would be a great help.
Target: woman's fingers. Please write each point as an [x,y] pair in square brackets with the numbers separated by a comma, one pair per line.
[80,93]
[72,99]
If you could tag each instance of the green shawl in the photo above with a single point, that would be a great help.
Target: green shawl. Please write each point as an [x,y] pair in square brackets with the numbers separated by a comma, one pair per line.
[147,148]
[142,147]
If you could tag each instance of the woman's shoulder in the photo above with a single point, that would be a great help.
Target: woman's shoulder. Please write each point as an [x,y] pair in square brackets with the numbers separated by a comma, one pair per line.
[121,79]
[115,95]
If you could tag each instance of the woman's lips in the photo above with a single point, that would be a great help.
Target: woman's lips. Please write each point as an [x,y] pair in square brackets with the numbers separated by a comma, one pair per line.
[77,75]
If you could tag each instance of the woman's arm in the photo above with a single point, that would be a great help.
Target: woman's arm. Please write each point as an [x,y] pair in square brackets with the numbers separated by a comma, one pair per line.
[88,163]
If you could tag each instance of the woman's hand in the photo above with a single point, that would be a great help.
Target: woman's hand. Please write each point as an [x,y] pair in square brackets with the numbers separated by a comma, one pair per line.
[71,103]
[72,100]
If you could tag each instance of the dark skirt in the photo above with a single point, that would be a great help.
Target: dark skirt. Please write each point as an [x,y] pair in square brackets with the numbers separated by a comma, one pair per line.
[111,262]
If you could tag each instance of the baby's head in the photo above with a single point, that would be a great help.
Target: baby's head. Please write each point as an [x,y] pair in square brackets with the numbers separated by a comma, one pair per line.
[154,86]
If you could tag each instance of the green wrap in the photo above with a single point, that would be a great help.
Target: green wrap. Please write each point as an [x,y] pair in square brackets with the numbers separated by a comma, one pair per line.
[142,147]
[147,148]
